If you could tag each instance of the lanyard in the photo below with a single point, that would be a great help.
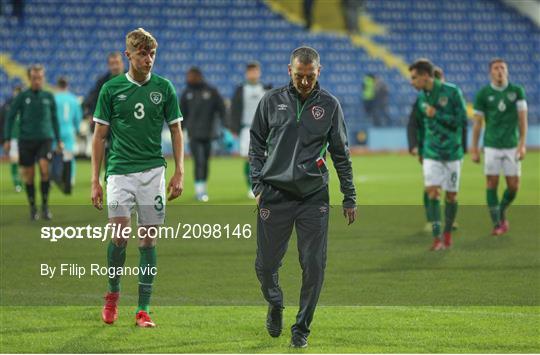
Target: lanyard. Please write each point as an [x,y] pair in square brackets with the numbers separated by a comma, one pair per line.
[299,110]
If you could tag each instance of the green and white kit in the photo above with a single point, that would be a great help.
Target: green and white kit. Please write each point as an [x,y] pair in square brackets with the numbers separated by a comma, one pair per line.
[135,113]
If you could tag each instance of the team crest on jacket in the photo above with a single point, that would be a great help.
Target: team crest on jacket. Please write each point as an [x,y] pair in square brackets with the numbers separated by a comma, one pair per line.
[156,97]
[264,213]
[317,112]
[512,96]
[443,101]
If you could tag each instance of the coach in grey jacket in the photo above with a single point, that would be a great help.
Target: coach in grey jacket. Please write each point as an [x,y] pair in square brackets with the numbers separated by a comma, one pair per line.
[293,128]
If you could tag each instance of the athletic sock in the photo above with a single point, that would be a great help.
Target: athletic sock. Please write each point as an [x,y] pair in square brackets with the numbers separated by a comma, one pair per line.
[493,205]
[426,206]
[116,257]
[31,193]
[450,211]
[246,173]
[45,192]
[435,217]
[199,187]
[507,199]
[15,174]
[147,261]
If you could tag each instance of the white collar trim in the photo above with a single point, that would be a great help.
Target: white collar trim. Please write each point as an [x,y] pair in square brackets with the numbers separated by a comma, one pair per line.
[499,88]
[128,77]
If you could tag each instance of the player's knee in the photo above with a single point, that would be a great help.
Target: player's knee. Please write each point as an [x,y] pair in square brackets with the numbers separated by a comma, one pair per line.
[451,197]
[433,192]
[513,185]
[147,242]
[492,182]
[119,242]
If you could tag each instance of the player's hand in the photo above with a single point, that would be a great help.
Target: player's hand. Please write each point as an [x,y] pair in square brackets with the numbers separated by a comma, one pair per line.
[475,155]
[521,151]
[350,214]
[176,186]
[60,146]
[7,147]
[430,111]
[97,195]
[414,151]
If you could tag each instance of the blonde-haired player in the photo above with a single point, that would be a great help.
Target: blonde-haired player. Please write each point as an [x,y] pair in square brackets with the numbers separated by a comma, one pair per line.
[133,107]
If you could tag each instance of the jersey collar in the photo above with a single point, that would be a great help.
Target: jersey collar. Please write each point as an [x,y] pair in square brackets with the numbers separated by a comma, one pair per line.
[130,79]
[498,88]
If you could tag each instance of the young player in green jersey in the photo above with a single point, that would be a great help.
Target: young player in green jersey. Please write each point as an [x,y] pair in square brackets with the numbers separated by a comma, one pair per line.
[503,107]
[444,115]
[133,107]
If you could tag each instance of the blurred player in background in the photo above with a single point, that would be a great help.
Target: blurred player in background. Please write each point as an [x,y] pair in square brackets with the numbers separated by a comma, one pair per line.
[442,107]
[134,106]
[70,113]
[38,127]
[115,65]
[503,107]
[201,105]
[243,106]
[415,138]
[14,147]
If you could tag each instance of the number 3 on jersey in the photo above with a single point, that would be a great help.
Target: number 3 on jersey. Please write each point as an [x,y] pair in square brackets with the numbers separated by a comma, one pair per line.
[139,111]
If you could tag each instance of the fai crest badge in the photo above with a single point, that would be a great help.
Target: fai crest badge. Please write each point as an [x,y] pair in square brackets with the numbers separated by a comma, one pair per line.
[512,96]
[156,97]
[113,205]
[264,213]
[317,112]
[443,101]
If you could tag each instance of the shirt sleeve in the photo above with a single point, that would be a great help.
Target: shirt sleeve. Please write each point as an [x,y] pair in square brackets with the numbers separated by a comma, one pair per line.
[77,114]
[478,106]
[54,118]
[338,147]
[12,113]
[172,112]
[257,145]
[103,107]
[521,102]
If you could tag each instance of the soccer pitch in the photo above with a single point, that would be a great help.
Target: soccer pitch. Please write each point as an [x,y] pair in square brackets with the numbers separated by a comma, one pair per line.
[384,291]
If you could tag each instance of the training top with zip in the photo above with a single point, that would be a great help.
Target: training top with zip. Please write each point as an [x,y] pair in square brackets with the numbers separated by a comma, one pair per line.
[289,139]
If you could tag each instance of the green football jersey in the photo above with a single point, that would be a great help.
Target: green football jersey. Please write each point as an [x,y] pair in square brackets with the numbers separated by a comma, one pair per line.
[500,111]
[136,113]
[443,133]
[36,112]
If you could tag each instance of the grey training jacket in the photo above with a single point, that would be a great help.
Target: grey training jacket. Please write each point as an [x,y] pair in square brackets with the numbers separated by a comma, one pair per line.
[289,142]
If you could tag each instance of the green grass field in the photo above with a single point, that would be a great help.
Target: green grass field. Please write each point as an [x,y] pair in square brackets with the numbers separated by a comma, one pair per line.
[384,291]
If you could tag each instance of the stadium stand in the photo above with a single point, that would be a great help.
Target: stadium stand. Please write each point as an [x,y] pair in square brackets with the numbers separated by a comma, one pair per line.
[220,36]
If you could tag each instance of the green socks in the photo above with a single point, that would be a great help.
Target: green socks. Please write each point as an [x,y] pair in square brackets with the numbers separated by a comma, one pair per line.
[450,211]
[426,206]
[507,199]
[434,209]
[246,173]
[116,257]
[498,211]
[493,205]
[147,265]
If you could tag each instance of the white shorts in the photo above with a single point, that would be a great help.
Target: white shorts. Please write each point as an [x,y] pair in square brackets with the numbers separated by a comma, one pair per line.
[142,192]
[501,159]
[14,150]
[244,141]
[445,174]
